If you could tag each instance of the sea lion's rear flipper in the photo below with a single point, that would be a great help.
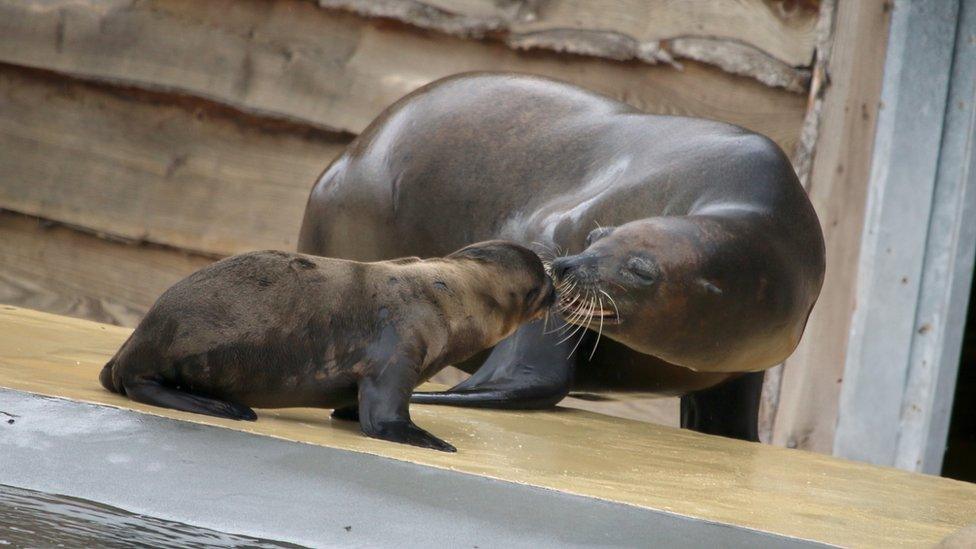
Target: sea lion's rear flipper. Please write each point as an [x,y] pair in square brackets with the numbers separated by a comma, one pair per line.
[148,391]
[530,370]
[730,409]
[348,413]
[384,413]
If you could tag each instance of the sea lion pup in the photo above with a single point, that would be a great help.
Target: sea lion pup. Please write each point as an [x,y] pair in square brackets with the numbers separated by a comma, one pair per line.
[274,330]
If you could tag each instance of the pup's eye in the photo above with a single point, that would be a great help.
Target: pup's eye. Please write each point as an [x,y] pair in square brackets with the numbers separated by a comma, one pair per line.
[531,295]
[644,269]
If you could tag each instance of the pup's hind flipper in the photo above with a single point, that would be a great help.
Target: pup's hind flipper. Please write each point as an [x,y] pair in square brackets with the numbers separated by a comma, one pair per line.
[148,391]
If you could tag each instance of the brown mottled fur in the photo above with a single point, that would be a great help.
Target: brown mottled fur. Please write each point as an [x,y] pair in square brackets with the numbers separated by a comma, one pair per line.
[273,329]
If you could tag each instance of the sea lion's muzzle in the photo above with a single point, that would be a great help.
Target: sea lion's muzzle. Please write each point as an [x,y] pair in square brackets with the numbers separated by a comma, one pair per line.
[582,268]
[582,296]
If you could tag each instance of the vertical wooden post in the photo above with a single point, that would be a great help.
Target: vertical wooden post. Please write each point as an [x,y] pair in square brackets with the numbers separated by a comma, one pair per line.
[810,389]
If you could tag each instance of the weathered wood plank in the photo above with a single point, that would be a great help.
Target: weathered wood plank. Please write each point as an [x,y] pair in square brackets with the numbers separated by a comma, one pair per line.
[184,174]
[765,40]
[292,59]
[60,270]
[807,413]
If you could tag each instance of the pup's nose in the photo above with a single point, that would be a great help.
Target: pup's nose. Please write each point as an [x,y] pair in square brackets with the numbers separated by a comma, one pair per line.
[550,297]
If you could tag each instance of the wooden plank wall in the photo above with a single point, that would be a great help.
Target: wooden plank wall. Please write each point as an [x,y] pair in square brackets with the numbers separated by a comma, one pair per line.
[140,139]
[812,377]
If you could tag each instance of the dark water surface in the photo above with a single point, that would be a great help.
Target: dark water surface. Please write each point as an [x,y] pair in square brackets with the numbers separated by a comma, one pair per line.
[37,519]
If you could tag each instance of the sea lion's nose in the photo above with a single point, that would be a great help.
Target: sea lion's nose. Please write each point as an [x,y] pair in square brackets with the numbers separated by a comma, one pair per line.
[562,266]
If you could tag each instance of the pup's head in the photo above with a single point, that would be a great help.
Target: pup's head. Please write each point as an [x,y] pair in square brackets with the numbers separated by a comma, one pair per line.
[516,283]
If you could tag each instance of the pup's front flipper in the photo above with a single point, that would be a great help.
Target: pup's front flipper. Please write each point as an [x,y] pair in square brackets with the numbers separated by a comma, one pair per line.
[407,432]
[150,391]
[384,407]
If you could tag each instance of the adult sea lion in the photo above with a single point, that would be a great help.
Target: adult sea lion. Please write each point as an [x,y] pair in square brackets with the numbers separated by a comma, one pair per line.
[692,241]
[274,330]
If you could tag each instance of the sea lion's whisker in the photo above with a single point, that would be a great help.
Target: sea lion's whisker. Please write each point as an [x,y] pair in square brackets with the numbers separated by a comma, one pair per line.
[555,329]
[574,318]
[573,321]
[570,335]
[616,311]
[599,333]
[565,307]
[567,332]
[582,310]
[583,333]
[567,298]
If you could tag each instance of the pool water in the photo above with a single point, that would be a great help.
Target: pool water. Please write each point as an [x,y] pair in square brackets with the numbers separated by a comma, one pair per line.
[38,519]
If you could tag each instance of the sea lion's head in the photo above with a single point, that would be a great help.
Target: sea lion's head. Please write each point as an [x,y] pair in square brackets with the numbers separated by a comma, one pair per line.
[514,282]
[642,284]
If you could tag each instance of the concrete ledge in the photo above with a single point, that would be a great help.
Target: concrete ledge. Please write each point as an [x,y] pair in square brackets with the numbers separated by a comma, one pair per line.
[785,492]
[274,489]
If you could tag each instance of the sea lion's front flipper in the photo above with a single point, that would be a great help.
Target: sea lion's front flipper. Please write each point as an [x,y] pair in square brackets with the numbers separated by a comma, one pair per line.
[384,400]
[150,391]
[530,370]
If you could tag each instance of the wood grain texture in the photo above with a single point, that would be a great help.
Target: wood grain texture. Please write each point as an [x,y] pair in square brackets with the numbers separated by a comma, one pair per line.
[802,160]
[807,413]
[294,60]
[771,489]
[60,270]
[133,165]
[764,40]
[784,32]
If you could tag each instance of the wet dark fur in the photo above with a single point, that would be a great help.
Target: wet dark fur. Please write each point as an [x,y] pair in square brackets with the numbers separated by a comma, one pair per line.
[273,329]
[732,249]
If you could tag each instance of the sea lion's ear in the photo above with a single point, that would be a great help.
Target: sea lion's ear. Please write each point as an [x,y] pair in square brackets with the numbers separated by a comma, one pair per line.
[597,234]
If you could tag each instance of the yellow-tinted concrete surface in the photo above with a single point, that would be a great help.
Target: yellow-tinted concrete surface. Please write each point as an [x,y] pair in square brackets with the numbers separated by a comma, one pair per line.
[776,490]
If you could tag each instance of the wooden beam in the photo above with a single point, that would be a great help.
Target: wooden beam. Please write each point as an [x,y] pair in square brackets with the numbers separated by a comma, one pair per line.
[764,40]
[60,270]
[147,167]
[294,60]
[810,388]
